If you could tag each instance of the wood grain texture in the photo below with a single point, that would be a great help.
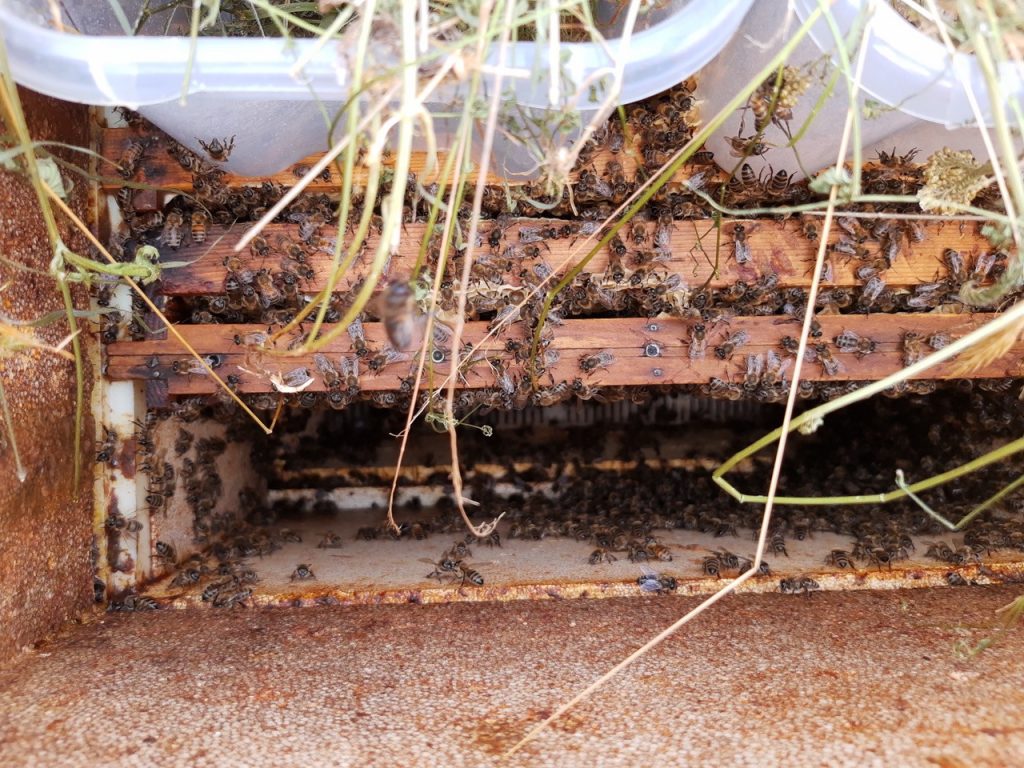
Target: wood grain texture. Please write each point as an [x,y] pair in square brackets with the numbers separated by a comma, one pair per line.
[698,254]
[160,169]
[623,338]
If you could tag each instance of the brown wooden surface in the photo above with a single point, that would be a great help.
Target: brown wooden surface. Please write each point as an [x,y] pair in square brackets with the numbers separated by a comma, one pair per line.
[160,169]
[777,247]
[623,337]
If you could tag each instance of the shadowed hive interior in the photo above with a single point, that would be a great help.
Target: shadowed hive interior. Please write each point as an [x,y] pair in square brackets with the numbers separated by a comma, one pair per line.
[594,500]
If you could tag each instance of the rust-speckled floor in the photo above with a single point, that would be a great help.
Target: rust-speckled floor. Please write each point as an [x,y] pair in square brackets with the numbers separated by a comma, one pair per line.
[856,678]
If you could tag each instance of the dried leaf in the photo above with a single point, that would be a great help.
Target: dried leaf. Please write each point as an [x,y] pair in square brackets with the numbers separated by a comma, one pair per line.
[988,350]
[951,179]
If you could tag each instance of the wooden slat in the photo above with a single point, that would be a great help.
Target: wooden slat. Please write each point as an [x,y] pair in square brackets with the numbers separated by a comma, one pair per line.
[624,338]
[160,169]
[778,247]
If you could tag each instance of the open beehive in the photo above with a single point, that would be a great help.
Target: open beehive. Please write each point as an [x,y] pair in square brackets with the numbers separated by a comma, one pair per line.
[605,415]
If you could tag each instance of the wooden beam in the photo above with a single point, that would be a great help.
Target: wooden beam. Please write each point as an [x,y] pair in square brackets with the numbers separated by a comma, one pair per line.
[776,247]
[160,169]
[627,340]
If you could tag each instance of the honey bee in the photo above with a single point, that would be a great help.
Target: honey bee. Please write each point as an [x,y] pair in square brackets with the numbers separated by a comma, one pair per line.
[839,558]
[754,372]
[165,552]
[779,183]
[649,581]
[795,586]
[638,233]
[356,333]
[956,264]
[728,348]
[601,555]
[590,363]
[741,250]
[332,380]
[140,223]
[330,540]
[218,150]
[852,342]
[382,360]
[172,230]
[132,157]
[938,341]
[870,293]
[740,147]
[302,572]
[468,574]
[829,365]
[911,347]
[698,341]
[198,223]
[401,316]
[711,565]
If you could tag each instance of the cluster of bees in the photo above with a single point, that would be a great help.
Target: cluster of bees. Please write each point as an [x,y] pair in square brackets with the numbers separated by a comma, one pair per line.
[622,514]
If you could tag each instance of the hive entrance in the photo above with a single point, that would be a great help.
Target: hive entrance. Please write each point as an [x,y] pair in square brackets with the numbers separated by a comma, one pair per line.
[682,319]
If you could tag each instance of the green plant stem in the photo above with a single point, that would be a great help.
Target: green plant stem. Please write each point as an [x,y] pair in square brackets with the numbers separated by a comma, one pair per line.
[814,417]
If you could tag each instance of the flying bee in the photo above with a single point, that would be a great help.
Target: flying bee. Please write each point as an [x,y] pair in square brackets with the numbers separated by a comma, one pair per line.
[218,150]
[401,316]
[132,157]
[852,342]
[938,341]
[590,363]
[911,347]
[741,250]
[198,222]
[728,348]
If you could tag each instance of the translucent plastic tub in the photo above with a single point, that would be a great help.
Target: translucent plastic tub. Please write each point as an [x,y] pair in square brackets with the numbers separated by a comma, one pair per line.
[245,87]
[918,89]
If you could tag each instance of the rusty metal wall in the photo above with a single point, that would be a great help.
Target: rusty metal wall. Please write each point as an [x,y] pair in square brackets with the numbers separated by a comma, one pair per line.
[45,521]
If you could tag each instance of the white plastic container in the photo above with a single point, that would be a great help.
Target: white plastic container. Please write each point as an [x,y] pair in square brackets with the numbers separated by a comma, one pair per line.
[243,87]
[918,83]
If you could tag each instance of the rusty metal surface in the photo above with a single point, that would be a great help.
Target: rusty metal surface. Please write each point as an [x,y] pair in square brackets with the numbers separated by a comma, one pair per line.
[840,679]
[45,523]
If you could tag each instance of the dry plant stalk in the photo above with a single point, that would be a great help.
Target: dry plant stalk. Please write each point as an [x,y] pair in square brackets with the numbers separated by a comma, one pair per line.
[988,351]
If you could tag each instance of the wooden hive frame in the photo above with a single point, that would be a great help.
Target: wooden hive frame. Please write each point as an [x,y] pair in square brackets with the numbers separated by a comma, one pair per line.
[644,351]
